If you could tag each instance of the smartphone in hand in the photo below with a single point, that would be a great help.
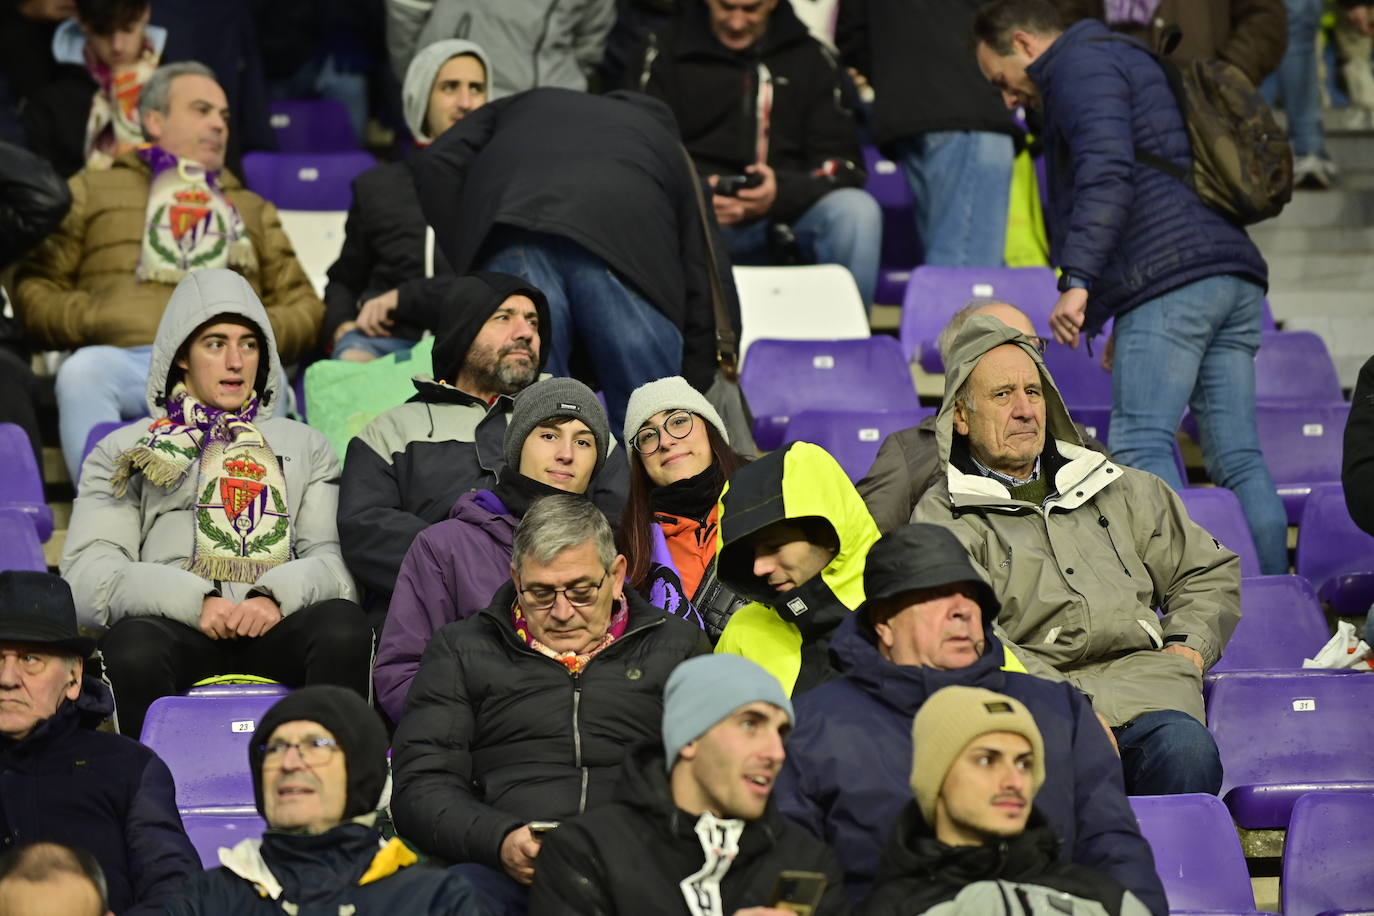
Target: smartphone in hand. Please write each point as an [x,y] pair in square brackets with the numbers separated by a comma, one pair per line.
[798,892]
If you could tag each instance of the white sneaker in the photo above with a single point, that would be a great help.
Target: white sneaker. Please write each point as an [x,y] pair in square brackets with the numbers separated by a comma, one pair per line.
[1314,172]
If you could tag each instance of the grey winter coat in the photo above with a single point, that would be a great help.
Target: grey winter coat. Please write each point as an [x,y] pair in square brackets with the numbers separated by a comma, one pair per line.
[127,556]
[1080,575]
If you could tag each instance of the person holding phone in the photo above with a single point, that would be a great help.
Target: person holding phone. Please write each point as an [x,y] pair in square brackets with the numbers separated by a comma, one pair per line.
[692,829]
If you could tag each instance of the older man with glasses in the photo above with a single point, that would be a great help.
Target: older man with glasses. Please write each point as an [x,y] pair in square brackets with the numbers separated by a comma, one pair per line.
[520,716]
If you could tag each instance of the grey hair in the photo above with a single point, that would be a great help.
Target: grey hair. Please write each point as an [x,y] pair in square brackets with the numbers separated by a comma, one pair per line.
[945,342]
[556,523]
[964,395]
[157,91]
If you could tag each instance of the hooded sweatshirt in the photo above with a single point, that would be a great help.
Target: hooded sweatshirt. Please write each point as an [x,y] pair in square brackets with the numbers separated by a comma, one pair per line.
[789,632]
[1079,575]
[127,555]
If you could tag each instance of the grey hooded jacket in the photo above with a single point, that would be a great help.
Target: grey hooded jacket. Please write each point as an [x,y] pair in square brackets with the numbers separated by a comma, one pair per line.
[1080,575]
[127,555]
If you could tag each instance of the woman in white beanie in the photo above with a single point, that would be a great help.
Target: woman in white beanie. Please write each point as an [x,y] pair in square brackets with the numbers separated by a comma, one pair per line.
[680,460]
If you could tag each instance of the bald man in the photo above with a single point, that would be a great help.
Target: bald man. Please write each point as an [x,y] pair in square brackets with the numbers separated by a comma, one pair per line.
[47,879]
[908,460]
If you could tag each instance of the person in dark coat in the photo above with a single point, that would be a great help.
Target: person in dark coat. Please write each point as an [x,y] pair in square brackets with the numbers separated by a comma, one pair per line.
[927,623]
[409,466]
[590,199]
[62,780]
[1184,285]
[318,759]
[1357,466]
[972,842]
[556,441]
[523,712]
[693,812]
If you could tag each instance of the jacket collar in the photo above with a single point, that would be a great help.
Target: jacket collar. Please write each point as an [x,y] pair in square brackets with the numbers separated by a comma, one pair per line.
[297,866]
[915,852]
[92,706]
[1041,70]
[1083,475]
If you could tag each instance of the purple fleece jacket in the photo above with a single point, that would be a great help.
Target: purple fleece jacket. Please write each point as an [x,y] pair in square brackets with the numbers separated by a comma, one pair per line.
[451,572]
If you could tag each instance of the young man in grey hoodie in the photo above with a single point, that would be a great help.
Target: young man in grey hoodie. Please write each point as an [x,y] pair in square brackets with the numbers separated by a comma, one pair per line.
[206,539]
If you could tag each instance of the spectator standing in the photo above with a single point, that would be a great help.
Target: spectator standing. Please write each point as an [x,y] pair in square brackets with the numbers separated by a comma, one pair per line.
[1251,34]
[1298,82]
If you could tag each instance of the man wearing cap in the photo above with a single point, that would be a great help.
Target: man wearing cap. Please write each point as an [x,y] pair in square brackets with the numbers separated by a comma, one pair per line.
[318,760]
[971,842]
[1101,574]
[927,623]
[556,441]
[62,780]
[691,830]
[523,712]
[408,467]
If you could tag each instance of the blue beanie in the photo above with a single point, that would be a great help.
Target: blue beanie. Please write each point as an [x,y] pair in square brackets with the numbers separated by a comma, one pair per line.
[704,690]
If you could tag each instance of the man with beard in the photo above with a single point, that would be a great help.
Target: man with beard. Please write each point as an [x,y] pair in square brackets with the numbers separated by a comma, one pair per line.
[406,469]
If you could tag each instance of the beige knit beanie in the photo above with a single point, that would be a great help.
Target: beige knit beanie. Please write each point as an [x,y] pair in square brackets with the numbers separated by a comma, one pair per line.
[948,721]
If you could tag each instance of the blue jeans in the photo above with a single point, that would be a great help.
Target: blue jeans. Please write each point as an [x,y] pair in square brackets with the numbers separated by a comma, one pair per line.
[377,346]
[1168,753]
[98,385]
[499,891]
[843,227]
[1195,347]
[961,181]
[627,340]
[1296,78]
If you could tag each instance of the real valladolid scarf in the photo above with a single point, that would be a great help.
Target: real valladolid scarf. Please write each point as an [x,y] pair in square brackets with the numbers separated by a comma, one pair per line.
[243,522]
[190,223]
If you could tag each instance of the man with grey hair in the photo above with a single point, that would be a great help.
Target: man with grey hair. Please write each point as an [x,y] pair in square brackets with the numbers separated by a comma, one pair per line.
[520,715]
[99,284]
[908,461]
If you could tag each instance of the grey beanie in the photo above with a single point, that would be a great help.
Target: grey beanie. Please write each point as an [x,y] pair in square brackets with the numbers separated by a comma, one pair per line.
[419,80]
[554,397]
[671,393]
[704,690]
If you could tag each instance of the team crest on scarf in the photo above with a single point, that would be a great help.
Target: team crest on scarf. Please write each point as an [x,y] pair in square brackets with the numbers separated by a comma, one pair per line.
[191,224]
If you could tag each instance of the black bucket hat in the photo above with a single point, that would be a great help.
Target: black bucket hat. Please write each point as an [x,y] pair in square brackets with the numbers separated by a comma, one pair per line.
[920,556]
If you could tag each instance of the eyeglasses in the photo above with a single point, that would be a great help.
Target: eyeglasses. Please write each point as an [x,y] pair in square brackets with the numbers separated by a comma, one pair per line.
[541,598]
[313,751]
[1040,343]
[678,425]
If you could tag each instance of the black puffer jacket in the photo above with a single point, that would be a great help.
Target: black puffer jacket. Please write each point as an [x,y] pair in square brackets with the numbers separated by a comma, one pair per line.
[495,734]
[628,857]
[714,92]
[383,249]
[1020,875]
[915,53]
[1357,472]
[68,783]
[33,200]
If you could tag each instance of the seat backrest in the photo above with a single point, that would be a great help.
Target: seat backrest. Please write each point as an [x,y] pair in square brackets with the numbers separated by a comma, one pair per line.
[811,302]
[1302,443]
[1079,376]
[1295,366]
[1197,852]
[886,183]
[204,742]
[1281,623]
[1330,544]
[100,431]
[1326,865]
[852,436]
[318,237]
[20,548]
[209,834]
[306,181]
[1218,511]
[312,126]
[21,486]
[934,294]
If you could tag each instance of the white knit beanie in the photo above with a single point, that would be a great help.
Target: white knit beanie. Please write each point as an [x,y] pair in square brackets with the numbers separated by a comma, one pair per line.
[671,393]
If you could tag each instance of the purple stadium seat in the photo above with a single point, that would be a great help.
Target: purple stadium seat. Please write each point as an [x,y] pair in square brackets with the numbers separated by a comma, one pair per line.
[100,431]
[785,377]
[1218,510]
[852,436]
[1197,853]
[239,690]
[901,245]
[1294,366]
[313,126]
[1335,555]
[1267,317]
[1302,446]
[1079,376]
[1281,735]
[1326,867]
[21,486]
[19,544]
[1281,623]
[934,294]
[204,742]
[209,834]
[306,181]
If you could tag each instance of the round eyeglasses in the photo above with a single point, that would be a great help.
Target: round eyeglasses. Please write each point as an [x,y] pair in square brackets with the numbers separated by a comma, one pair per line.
[678,425]
[313,751]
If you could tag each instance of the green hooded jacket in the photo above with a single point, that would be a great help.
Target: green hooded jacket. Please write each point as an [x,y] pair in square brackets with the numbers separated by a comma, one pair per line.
[1080,575]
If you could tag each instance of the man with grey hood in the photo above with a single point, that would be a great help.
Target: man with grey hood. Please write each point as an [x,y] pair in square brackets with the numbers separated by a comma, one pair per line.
[205,539]
[1080,551]
[381,291]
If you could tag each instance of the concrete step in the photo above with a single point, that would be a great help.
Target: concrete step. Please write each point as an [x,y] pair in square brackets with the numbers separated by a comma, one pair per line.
[1275,239]
[1346,206]
[1321,271]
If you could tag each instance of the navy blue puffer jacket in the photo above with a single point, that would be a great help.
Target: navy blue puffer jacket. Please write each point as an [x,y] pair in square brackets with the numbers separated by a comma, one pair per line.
[1129,229]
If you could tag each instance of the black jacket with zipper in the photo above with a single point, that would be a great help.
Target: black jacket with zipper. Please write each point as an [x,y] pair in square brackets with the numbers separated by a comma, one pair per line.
[496,735]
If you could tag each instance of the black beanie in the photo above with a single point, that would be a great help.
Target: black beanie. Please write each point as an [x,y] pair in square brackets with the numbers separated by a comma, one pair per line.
[354,724]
